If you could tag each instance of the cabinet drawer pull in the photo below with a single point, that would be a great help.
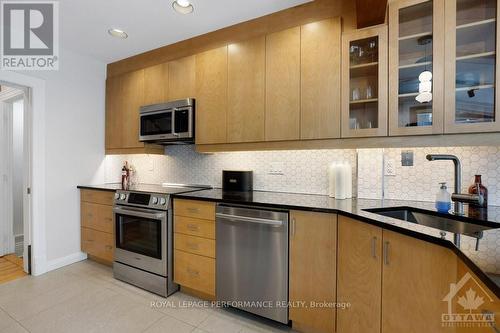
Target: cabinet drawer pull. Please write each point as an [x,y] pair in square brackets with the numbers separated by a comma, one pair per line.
[374,247]
[193,210]
[192,227]
[293,227]
[386,253]
[193,272]
[192,246]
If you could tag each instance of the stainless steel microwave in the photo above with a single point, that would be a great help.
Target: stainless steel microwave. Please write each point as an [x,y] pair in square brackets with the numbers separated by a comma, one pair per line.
[168,123]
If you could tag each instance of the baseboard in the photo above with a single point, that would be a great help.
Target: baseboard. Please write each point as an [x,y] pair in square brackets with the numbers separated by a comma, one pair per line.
[64,261]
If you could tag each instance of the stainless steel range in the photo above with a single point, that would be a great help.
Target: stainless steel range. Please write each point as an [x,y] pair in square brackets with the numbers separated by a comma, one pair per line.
[144,241]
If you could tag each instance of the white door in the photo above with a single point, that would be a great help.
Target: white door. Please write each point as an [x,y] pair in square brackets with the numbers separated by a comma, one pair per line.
[6,204]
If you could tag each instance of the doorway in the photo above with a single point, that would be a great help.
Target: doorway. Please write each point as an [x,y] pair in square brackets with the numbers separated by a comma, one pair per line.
[14,180]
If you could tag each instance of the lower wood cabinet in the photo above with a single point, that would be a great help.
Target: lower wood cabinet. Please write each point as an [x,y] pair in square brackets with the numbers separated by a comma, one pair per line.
[359,276]
[313,239]
[97,230]
[395,283]
[194,247]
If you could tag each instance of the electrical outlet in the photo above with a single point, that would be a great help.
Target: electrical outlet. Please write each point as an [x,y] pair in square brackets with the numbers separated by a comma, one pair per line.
[276,168]
[151,165]
[390,168]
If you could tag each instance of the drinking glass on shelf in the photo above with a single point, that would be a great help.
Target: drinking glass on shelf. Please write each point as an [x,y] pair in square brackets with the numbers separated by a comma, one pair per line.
[369,92]
[373,50]
[353,54]
[355,94]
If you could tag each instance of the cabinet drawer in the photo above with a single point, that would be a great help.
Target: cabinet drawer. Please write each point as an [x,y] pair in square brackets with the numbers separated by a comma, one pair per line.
[195,245]
[99,197]
[96,216]
[98,244]
[197,209]
[195,272]
[194,227]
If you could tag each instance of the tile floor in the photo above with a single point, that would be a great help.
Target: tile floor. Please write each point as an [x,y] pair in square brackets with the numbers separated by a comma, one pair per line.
[84,297]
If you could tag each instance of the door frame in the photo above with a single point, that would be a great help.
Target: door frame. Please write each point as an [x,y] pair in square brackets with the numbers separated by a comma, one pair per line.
[6,229]
[34,178]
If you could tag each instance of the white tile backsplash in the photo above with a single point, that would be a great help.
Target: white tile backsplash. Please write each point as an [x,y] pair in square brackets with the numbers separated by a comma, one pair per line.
[303,171]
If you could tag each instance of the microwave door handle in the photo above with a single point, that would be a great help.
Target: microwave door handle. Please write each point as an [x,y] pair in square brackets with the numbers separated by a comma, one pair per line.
[173,123]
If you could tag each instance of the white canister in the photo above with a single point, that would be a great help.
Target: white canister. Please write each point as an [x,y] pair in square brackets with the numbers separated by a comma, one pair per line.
[331,179]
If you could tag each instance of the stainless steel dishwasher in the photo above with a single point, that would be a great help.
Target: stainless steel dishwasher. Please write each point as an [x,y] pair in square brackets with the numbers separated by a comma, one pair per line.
[252,260]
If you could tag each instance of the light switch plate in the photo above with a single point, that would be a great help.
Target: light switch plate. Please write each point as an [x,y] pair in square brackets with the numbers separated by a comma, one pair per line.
[407,158]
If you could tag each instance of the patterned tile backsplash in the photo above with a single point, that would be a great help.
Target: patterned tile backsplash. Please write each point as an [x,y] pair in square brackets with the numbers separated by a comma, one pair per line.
[300,171]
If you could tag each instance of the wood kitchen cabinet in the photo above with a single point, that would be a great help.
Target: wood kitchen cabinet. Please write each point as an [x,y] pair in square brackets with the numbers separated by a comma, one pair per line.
[181,78]
[156,84]
[283,85]
[416,45]
[395,283]
[194,247]
[313,239]
[320,79]
[471,79]
[211,96]
[364,83]
[359,276]
[416,276]
[124,97]
[246,90]
[96,219]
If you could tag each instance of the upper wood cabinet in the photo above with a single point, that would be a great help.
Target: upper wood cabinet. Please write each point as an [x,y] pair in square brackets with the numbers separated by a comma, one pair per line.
[416,276]
[246,90]
[359,276]
[125,94]
[416,35]
[364,83]
[471,94]
[211,96]
[313,239]
[283,85]
[320,79]
[181,78]
[156,84]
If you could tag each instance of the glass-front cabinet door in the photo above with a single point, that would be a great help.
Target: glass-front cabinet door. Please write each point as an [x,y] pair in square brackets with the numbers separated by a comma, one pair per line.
[416,70]
[364,83]
[471,95]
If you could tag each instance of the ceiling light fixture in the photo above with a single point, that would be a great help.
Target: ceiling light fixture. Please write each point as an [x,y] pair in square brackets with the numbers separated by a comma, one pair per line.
[183,6]
[118,33]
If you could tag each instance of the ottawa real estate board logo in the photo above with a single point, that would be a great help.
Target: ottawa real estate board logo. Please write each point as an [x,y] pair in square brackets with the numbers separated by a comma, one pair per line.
[29,35]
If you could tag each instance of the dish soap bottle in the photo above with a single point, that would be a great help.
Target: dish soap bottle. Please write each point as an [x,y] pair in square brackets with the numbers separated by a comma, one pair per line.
[443,199]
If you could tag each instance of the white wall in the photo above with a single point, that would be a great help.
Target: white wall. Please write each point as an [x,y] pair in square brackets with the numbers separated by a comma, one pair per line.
[74,148]
[18,165]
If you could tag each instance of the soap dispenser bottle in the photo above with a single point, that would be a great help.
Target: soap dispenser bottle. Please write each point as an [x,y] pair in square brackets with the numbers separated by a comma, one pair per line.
[443,199]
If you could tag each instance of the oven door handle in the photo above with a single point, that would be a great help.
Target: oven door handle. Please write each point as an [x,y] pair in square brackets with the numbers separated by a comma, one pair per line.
[139,213]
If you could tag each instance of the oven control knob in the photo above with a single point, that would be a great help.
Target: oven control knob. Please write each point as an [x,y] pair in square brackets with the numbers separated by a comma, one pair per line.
[117,196]
[163,201]
[123,196]
[155,200]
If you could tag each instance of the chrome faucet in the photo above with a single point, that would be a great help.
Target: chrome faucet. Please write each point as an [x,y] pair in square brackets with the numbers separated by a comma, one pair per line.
[457,197]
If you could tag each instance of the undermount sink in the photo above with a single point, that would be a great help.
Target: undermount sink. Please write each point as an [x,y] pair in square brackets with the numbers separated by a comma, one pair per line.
[448,224]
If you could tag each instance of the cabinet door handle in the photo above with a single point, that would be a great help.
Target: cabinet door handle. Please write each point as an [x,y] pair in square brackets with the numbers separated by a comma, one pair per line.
[386,253]
[293,227]
[374,247]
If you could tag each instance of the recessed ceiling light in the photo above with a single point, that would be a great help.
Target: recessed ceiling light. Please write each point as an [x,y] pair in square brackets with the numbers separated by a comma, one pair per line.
[118,33]
[183,6]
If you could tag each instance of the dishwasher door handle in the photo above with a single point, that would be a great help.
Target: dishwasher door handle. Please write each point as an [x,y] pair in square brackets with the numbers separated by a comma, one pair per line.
[249,219]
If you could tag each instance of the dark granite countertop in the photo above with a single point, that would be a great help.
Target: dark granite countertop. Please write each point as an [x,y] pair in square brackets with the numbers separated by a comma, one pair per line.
[485,262]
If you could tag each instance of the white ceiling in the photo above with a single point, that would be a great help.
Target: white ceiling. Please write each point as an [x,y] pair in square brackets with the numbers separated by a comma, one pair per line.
[149,23]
